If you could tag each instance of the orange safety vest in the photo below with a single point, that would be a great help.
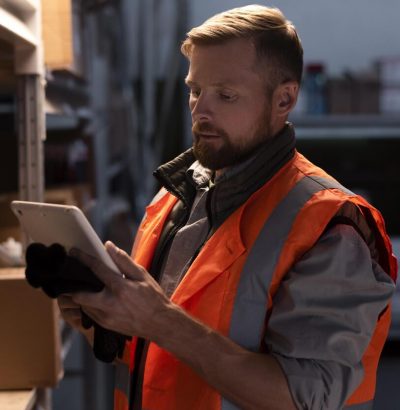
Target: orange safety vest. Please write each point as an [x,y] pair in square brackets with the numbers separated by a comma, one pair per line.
[208,290]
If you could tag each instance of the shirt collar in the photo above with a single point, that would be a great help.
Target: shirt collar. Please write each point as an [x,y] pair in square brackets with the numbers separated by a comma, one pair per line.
[199,176]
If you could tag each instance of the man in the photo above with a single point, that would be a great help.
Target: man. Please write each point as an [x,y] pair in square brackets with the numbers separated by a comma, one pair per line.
[259,282]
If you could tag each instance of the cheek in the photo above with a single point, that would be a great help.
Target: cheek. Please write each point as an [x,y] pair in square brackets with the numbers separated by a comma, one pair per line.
[240,122]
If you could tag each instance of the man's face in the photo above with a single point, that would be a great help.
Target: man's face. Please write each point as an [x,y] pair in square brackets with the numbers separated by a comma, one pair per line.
[231,114]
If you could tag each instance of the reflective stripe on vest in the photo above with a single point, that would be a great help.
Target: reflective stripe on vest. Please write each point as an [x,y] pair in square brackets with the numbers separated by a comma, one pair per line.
[249,309]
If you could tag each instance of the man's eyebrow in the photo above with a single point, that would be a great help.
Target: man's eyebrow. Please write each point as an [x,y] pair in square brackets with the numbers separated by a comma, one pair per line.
[221,84]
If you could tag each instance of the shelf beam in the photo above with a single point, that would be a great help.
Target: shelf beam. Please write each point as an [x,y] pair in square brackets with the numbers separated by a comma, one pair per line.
[14,30]
[20,25]
[347,133]
[22,6]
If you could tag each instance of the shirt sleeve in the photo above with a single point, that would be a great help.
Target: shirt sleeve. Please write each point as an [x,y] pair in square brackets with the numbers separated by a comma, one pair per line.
[323,317]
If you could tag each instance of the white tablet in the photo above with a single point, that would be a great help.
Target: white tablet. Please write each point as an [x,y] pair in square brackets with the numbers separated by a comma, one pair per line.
[63,224]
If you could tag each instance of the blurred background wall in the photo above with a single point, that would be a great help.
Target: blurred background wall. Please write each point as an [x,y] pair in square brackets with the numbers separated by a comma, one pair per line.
[346,35]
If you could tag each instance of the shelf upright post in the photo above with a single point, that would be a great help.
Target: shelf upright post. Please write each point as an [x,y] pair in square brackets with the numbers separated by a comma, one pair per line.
[30,136]
[29,67]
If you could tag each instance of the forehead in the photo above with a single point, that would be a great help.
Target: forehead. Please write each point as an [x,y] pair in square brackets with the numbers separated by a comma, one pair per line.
[233,61]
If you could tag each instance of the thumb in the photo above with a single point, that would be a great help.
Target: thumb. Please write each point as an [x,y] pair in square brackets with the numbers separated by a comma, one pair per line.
[124,262]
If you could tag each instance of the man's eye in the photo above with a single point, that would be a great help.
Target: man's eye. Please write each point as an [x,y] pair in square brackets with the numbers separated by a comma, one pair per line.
[227,97]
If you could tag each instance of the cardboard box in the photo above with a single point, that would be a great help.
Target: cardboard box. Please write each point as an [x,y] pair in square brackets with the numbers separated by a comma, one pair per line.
[339,96]
[353,95]
[30,342]
[62,35]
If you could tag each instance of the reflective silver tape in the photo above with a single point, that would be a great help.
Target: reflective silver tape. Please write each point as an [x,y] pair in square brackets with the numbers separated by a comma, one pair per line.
[251,298]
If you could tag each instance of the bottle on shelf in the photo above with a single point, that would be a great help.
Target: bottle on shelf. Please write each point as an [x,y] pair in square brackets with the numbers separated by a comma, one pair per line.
[315,88]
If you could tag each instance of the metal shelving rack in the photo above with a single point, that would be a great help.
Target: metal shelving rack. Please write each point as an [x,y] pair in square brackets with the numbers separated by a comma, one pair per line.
[20,26]
[359,127]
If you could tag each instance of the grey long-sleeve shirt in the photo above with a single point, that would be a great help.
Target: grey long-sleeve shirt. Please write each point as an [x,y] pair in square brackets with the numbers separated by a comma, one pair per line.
[325,312]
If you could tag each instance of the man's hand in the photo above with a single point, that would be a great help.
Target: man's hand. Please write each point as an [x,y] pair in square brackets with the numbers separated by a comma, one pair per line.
[132,304]
[71,313]
[135,305]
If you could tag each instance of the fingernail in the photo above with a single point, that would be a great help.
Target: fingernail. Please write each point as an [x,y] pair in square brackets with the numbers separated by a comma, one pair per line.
[111,247]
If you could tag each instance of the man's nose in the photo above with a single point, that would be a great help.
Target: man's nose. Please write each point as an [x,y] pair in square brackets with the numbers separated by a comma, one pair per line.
[201,108]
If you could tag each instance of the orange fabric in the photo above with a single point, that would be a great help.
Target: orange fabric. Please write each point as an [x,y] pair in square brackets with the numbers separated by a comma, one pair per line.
[366,390]
[150,230]
[142,253]
[120,400]
[209,287]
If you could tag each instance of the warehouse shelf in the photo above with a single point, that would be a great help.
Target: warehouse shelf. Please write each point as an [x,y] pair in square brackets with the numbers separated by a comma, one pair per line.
[14,30]
[20,28]
[24,6]
[347,126]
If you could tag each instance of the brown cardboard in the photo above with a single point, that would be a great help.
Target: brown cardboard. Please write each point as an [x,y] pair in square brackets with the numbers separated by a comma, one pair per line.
[353,95]
[57,33]
[30,342]
[340,96]
[62,39]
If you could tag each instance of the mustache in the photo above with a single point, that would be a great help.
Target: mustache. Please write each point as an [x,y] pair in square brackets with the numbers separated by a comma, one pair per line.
[206,127]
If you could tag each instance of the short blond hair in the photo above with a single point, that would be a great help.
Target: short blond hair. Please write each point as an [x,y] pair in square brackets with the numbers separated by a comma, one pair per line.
[274,37]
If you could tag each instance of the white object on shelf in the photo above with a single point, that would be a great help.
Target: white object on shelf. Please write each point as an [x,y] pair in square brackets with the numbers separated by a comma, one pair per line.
[390,100]
[389,72]
[11,253]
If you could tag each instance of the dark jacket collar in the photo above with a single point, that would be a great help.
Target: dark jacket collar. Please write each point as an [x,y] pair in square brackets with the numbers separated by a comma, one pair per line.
[236,185]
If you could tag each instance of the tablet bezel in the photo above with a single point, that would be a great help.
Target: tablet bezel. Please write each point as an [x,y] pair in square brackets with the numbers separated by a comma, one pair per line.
[64,224]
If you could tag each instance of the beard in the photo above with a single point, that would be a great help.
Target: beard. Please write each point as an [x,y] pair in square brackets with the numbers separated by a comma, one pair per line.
[228,154]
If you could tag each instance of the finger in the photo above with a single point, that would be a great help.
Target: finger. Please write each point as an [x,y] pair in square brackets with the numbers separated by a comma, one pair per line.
[105,274]
[66,302]
[72,317]
[125,263]
[97,315]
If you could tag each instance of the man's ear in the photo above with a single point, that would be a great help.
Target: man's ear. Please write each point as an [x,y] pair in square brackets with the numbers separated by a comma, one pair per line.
[284,98]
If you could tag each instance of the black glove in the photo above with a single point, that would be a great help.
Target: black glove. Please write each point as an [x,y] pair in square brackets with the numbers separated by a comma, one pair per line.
[51,269]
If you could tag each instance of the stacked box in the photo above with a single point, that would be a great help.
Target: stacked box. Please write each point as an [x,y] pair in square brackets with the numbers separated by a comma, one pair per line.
[62,35]
[30,342]
[353,95]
